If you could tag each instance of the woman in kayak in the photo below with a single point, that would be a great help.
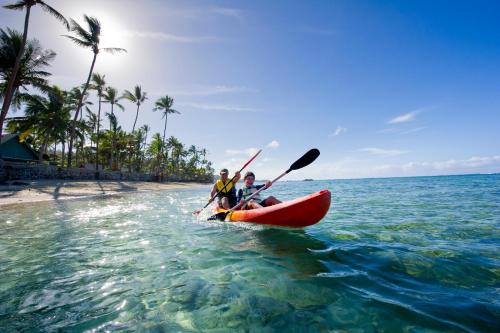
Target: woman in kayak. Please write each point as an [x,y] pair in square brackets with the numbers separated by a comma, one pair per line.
[249,188]
[227,196]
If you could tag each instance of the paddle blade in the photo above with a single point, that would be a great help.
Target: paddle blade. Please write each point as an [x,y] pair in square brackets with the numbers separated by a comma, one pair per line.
[305,160]
[218,217]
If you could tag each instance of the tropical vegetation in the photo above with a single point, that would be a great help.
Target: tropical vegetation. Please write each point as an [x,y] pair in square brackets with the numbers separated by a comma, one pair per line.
[66,128]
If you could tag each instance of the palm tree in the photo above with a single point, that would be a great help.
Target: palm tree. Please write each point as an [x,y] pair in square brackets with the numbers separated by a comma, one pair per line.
[30,71]
[146,129]
[74,96]
[111,97]
[43,116]
[164,104]
[98,84]
[21,5]
[138,97]
[88,39]
[155,149]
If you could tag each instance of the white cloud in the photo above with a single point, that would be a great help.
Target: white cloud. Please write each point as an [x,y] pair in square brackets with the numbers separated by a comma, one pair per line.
[402,131]
[383,152]
[159,35]
[220,107]
[413,130]
[404,118]
[273,144]
[358,168]
[339,130]
[248,151]
[229,12]
[212,90]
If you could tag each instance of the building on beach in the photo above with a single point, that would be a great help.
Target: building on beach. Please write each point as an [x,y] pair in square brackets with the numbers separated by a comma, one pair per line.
[12,149]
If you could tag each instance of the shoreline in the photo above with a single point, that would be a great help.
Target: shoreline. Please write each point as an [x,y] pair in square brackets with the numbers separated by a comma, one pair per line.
[30,191]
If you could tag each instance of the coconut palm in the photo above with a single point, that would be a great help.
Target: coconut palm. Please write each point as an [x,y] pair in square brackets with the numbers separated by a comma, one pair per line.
[21,5]
[98,84]
[138,97]
[30,71]
[111,96]
[89,39]
[164,104]
[44,117]
[146,129]
[74,96]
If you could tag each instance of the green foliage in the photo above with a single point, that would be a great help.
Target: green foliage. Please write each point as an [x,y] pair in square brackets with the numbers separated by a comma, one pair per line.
[47,120]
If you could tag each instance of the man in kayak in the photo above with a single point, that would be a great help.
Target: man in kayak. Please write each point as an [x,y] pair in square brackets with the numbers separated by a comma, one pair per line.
[227,196]
[249,188]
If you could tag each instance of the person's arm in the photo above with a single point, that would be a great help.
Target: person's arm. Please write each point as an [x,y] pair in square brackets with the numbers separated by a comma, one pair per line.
[240,194]
[237,177]
[213,192]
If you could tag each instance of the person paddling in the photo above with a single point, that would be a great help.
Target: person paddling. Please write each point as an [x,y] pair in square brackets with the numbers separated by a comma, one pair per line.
[249,188]
[227,196]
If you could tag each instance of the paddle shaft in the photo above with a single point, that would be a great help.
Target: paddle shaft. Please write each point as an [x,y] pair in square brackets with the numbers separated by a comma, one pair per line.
[223,188]
[261,189]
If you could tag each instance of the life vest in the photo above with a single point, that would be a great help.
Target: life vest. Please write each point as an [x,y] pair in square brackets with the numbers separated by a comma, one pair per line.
[229,186]
[247,191]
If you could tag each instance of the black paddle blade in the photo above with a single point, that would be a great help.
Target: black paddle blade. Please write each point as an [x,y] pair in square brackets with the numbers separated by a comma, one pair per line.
[218,217]
[305,160]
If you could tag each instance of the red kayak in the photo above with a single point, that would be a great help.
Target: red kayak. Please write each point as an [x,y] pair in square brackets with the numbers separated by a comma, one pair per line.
[297,213]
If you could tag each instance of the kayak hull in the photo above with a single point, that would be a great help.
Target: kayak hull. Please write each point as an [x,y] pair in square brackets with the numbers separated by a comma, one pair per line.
[297,213]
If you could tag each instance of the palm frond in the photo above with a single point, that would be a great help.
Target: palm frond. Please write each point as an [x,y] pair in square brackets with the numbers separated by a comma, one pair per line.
[94,26]
[79,30]
[16,6]
[129,96]
[112,50]
[79,42]
[54,13]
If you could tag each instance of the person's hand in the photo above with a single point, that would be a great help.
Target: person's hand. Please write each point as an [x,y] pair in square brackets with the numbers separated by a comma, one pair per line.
[268,184]
[238,174]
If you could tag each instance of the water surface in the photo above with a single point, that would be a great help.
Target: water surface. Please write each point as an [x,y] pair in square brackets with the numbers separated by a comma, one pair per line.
[401,254]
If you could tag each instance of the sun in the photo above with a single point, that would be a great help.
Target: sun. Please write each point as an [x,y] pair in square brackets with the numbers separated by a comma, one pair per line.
[112,34]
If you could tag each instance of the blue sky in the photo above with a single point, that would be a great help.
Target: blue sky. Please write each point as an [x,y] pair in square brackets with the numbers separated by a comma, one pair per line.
[382,88]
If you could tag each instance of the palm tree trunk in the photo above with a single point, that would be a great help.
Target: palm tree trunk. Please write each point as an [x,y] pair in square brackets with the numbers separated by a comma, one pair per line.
[136,114]
[10,85]
[43,147]
[80,102]
[97,137]
[112,113]
[112,160]
[63,153]
[162,143]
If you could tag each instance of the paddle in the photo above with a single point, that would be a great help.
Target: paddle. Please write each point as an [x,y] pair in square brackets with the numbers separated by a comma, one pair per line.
[198,211]
[305,160]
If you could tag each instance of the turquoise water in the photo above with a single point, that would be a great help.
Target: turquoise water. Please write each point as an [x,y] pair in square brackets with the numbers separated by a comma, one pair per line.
[401,254]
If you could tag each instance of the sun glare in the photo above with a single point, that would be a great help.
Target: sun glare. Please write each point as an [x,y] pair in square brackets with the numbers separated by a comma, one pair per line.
[112,34]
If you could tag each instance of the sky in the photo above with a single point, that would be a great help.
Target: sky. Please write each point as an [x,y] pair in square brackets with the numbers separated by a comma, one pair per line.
[381,88]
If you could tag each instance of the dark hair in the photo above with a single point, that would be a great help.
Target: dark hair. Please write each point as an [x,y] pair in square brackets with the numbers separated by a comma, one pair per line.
[249,174]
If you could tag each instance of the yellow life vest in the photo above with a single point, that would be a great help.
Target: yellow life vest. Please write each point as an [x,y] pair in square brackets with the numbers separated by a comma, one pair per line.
[229,185]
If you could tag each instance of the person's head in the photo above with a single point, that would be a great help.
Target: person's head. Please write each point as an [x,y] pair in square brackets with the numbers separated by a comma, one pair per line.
[249,178]
[223,174]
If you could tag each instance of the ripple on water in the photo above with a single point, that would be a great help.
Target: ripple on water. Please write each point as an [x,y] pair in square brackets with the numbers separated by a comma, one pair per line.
[415,254]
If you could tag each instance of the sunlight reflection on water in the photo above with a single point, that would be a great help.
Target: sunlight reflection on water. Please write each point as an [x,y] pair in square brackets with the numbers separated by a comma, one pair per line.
[391,255]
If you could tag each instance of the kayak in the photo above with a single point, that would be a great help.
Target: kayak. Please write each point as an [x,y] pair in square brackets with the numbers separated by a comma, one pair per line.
[297,213]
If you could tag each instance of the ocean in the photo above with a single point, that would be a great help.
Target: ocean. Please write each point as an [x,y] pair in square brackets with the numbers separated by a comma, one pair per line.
[416,254]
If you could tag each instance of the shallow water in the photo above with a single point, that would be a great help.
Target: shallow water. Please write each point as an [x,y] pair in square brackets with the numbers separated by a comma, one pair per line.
[401,254]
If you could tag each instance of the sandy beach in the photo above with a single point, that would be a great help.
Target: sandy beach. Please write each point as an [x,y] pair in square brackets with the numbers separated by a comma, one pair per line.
[21,192]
